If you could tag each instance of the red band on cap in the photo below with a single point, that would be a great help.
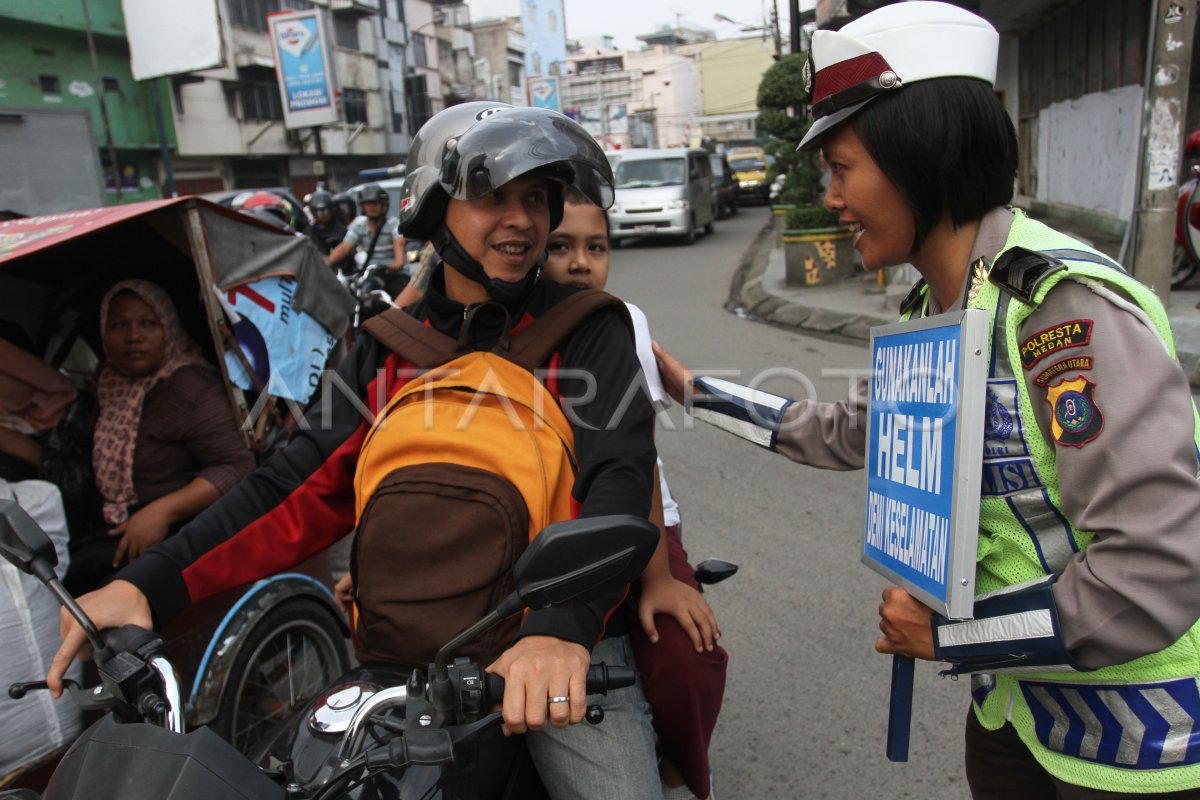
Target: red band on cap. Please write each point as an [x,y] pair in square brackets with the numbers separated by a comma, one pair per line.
[844,74]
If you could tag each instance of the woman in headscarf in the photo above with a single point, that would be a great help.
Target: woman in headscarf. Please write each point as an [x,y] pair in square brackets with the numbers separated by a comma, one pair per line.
[166,444]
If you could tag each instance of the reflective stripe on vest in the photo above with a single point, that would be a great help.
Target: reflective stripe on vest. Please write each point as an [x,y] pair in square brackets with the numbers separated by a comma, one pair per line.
[1008,467]
[1133,725]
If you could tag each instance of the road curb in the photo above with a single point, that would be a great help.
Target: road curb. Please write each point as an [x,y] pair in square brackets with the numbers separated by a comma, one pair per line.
[748,297]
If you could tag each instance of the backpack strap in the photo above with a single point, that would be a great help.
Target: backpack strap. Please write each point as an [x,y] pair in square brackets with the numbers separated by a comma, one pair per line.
[410,339]
[532,345]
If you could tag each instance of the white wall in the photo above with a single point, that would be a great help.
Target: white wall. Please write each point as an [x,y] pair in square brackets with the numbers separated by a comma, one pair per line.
[1087,151]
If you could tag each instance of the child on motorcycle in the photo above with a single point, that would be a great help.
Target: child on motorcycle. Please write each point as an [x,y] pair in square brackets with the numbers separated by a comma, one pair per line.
[682,667]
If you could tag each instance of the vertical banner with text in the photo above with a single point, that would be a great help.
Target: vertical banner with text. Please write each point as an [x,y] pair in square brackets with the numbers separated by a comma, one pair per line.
[302,68]
[924,456]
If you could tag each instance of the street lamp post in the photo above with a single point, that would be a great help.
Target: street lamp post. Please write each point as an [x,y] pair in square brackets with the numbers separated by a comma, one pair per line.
[773,28]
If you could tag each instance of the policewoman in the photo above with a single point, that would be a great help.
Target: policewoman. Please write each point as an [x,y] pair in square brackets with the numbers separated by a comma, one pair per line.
[1085,650]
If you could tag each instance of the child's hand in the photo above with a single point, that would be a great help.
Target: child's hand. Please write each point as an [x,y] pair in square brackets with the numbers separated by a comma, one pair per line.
[343,592]
[685,604]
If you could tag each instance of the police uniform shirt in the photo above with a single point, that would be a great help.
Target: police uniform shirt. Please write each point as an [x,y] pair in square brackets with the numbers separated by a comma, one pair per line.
[1129,477]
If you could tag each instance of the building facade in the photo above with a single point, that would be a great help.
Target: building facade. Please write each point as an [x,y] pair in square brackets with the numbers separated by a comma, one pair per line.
[47,70]
[730,71]
[500,60]
[229,120]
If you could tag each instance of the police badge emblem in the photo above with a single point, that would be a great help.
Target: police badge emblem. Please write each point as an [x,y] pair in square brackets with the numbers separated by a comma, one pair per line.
[1076,419]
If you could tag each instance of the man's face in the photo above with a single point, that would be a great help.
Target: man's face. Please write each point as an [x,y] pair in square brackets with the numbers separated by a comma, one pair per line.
[324,215]
[504,230]
[372,208]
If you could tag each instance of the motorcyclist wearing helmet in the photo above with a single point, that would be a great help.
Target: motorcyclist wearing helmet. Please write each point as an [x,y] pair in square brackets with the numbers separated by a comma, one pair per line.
[374,233]
[485,184]
[266,207]
[326,231]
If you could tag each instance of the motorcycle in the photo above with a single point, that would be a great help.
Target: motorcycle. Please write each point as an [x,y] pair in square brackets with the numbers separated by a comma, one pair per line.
[1186,259]
[423,734]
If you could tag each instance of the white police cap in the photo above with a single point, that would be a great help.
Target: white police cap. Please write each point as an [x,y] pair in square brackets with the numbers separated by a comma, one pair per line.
[890,48]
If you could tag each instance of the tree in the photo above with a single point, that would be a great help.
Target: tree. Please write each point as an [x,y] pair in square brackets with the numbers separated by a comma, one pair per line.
[781,113]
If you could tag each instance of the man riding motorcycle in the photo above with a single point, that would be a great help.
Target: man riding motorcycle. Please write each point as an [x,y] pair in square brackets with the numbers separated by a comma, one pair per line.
[327,231]
[485,184]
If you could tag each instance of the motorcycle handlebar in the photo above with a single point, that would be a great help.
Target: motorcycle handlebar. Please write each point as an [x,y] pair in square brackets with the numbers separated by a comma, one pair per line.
[600,679]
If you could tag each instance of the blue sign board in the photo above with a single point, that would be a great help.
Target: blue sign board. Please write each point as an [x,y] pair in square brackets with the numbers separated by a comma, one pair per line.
[302,67]
[924,453]
[543,93]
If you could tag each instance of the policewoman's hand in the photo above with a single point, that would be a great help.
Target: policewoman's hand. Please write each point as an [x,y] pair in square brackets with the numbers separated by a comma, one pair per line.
[907,625]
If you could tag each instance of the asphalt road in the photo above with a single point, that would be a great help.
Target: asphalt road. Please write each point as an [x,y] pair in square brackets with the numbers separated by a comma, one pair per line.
[805,710]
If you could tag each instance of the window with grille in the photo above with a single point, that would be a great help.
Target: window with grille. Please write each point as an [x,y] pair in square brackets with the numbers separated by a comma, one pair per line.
[345,30]
[420,58]
[252,14]
[354,106]
[259,94]
[420,105]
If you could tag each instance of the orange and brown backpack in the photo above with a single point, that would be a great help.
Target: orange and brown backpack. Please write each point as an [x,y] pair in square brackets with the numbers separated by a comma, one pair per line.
[465,464]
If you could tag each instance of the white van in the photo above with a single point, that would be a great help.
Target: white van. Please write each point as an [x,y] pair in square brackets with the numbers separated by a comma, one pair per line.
[663,193]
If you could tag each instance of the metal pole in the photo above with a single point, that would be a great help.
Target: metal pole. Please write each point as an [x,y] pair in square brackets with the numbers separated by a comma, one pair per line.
[164,149]
[108,137]
[1169,56]
[794,27]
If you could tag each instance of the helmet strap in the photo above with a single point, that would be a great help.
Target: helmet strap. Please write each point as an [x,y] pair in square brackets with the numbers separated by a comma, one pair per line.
[507,293]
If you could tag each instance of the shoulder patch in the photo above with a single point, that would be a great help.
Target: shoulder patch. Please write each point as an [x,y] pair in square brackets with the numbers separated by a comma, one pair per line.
[1074,364]
[1075,418]
[1075,333]
[1019,271]
[912,300]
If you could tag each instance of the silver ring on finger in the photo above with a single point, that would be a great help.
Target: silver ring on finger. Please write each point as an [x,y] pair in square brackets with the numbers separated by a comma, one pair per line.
[560,698]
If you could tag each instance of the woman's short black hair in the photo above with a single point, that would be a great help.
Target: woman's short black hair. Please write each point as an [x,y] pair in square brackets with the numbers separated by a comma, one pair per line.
[947,145]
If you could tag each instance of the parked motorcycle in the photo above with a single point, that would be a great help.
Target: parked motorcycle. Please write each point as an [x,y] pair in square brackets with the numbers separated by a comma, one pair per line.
[1186,258]
[420,735]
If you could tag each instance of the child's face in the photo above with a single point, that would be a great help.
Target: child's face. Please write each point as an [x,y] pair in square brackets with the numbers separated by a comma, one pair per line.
[577,252]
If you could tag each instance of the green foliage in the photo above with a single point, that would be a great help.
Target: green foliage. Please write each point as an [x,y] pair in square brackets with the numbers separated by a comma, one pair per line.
[781,113]
[809,217]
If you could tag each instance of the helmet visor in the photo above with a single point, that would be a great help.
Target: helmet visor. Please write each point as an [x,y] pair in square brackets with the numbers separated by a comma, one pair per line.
[509,144]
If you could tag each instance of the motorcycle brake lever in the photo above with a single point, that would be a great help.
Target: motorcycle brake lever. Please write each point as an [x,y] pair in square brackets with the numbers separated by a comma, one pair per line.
[18,690]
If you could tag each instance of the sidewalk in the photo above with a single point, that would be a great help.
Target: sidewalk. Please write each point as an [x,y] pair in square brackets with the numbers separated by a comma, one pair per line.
[849,309]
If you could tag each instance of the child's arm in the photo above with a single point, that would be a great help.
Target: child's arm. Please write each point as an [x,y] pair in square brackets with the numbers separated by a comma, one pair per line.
[663,594]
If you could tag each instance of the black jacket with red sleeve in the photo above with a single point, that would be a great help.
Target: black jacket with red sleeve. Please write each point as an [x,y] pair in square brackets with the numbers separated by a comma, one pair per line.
[301,500]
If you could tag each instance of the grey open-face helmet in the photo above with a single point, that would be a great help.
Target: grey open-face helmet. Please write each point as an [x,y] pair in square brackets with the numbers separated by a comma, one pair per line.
[469,150]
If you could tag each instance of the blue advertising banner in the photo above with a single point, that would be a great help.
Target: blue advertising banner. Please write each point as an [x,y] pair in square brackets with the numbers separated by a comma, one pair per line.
[302,68]
[284,348]
[924,456]
[543,93]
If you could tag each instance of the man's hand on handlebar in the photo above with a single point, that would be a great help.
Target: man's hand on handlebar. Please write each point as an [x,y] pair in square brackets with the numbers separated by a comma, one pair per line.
[538,669]
[119,603]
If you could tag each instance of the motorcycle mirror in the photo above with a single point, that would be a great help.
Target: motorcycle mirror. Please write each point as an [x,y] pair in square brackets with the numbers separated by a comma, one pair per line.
[24,544]
[570,563]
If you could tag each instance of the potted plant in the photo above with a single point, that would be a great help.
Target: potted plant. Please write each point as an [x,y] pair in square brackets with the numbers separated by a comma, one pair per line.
[816,249]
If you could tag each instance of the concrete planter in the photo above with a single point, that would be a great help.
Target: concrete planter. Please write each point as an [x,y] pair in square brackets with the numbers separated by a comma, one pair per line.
[818,256]
[779,214]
